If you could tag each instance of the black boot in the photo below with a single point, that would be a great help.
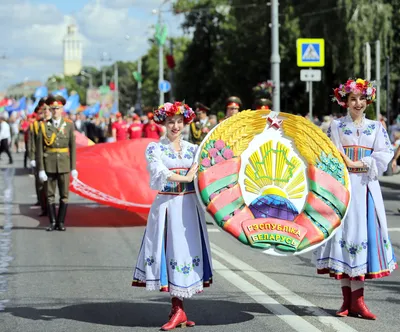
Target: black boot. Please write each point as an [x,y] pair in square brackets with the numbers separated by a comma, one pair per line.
[52,217]
[62,211]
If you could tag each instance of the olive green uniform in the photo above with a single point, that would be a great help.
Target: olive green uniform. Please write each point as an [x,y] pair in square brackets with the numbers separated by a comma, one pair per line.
[56,155]
[199,130]
[39,186]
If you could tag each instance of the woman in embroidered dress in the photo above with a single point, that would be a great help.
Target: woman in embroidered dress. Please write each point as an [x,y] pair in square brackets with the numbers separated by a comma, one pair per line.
[361,248]
[175,255]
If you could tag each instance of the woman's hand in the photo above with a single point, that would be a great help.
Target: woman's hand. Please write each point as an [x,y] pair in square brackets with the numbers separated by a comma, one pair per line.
[394,165]
[192,172]
[350,163]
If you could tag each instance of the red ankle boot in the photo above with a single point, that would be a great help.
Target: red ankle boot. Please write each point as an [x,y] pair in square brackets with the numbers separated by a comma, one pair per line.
[178,317]
[358,308]
[344,309]
[189,323]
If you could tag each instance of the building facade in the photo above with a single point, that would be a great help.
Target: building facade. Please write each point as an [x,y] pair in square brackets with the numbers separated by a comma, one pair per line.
[72,52]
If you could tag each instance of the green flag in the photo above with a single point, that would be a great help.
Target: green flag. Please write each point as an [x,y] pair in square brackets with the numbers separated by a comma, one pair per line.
[137,76]
[161,34]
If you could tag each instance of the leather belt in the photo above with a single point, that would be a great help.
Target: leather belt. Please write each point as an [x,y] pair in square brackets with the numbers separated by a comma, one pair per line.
[58,150]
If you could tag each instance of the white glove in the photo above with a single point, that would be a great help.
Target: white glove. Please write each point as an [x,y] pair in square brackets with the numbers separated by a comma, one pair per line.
[74,174]
[42,176]
[33,163]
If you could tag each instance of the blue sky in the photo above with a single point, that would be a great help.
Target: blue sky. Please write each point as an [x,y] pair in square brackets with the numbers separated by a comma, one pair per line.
[35,30]
[66,6]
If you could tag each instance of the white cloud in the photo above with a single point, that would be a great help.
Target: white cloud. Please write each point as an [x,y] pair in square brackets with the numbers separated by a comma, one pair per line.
[34,39]
[19,13]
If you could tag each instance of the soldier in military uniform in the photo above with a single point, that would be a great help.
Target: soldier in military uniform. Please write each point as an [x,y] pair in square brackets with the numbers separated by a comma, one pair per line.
[56,157]
[40,112]
[201,126]
[262,94]
[233,105]
[262,104]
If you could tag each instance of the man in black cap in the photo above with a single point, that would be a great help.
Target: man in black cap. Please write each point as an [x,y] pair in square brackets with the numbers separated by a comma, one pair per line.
[34,127]
[233,105]
[56,158]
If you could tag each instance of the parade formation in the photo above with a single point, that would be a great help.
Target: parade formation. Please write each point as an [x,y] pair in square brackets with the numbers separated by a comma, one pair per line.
[272,180]
[276,182]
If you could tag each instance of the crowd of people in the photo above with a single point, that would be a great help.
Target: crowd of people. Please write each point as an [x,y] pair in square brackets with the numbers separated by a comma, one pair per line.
[176,232]
[117,127]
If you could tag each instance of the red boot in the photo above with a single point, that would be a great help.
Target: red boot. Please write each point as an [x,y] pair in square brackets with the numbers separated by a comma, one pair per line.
[358,308]
[178,317]
[189,323]
[344,309]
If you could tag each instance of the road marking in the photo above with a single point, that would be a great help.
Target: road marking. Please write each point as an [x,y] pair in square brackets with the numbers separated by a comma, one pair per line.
[394,229]
[213,230]
[5,235]
[288,316]
[288,295]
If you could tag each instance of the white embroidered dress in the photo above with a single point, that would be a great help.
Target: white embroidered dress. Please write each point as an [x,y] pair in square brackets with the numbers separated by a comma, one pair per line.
[361,248]
[175,253]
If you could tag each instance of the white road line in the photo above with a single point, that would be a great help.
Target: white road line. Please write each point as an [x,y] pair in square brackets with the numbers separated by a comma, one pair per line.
[5,235]
[288,316]
[288,295]
[394,229]
[213,230]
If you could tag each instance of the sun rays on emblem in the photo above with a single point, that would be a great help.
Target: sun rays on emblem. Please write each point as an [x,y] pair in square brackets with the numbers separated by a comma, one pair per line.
[273,175]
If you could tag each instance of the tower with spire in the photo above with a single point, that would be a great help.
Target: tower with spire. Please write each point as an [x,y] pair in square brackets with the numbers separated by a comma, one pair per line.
[72,51]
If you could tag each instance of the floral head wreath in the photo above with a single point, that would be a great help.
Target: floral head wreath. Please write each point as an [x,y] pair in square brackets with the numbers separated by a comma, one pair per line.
[356,86]
[169,109]
[263,89]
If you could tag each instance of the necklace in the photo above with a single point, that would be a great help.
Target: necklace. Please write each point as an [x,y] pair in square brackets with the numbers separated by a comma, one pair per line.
[359,124]
[179,152]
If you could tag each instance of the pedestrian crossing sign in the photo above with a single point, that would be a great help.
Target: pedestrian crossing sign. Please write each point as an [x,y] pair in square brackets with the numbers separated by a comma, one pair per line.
[310,52]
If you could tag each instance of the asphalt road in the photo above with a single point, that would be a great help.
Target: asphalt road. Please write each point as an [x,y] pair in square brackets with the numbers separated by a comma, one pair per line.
[80,280]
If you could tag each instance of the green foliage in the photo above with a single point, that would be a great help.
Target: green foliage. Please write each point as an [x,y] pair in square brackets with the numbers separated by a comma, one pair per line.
[227,52]
[71,83]
[230,53]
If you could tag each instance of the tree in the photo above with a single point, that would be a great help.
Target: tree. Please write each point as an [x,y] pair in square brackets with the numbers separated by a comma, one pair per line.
[71,83]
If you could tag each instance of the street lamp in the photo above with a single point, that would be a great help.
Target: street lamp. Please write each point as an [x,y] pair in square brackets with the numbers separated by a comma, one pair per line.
[105,57]
[83,73]
[275,57]
[367,51]
[160,51]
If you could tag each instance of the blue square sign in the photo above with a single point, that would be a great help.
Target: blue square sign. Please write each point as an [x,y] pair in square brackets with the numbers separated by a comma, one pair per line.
[310,52]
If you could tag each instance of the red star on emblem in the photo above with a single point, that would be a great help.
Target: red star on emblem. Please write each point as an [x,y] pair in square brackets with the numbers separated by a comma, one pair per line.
[274,122]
